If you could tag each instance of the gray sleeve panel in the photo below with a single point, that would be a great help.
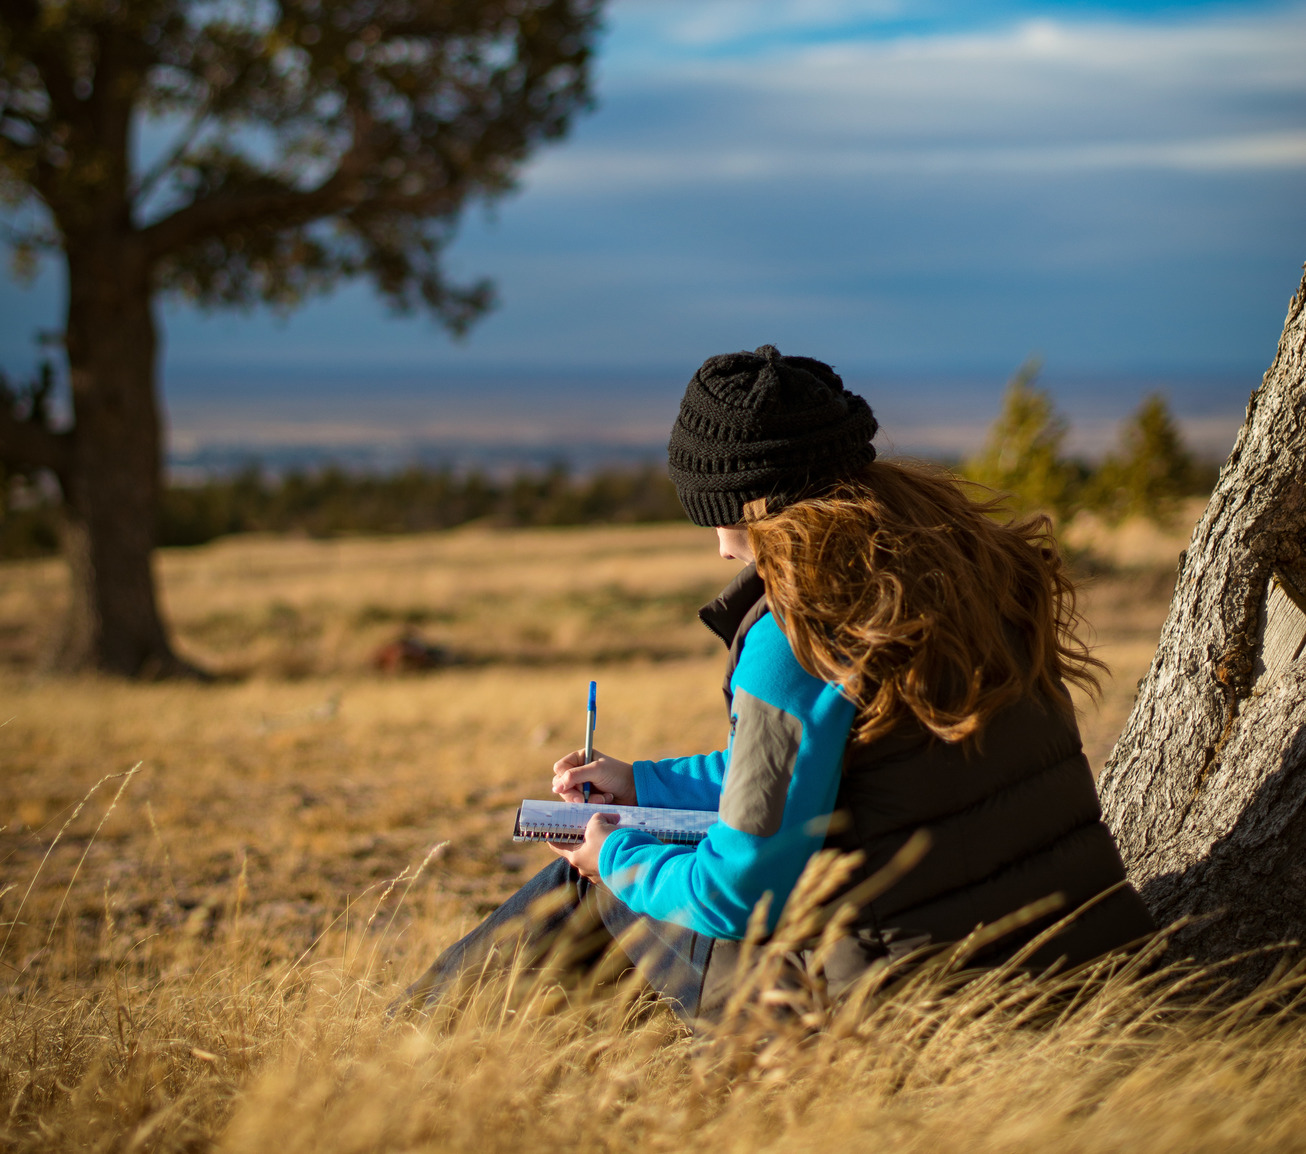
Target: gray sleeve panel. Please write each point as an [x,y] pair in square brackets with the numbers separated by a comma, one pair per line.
[761,765]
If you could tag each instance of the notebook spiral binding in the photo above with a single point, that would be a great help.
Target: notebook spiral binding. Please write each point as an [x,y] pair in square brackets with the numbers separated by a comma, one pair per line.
[557,833]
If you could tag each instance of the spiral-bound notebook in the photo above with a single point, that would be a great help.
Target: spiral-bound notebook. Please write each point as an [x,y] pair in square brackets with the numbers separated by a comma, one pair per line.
[564,821]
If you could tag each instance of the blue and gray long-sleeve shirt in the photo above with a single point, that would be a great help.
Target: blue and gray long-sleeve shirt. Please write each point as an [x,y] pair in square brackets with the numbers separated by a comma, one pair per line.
[775,785]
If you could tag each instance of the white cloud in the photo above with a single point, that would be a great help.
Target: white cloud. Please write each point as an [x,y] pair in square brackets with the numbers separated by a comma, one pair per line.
[613,171]
[700,24]
[1259,52]
[1214,94]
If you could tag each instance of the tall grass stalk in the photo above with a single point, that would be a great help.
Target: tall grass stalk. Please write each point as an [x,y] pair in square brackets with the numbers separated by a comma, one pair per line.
[182,1046]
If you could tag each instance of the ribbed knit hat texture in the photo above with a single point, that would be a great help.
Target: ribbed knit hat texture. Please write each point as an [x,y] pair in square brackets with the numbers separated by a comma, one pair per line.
[764,425]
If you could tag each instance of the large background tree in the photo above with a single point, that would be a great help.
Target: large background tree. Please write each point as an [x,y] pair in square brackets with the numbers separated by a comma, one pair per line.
[310,140]
[1206,788]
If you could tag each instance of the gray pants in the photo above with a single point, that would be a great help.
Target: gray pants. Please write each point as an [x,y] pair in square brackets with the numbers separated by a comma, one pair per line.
[560,910]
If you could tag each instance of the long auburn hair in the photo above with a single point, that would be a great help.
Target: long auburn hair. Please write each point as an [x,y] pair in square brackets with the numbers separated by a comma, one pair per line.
[907,591]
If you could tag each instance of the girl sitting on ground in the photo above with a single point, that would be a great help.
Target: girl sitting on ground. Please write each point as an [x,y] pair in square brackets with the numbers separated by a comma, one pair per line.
[897,657]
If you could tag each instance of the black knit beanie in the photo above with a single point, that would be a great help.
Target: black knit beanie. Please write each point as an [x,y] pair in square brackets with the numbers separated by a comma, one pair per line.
[764,425]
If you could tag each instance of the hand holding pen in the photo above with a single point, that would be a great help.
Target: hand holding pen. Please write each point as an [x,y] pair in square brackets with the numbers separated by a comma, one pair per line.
[588,775]
[613,780]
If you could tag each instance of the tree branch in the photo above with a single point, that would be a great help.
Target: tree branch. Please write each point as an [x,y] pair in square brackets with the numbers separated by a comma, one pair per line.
[227,211]
[146,183]
[58,82]
[230,209]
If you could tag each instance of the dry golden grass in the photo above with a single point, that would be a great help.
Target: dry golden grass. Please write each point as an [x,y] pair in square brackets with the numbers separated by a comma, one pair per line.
[302,608]
[200,955]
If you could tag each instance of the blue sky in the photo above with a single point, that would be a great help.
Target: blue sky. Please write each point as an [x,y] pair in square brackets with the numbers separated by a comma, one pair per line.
[914,191]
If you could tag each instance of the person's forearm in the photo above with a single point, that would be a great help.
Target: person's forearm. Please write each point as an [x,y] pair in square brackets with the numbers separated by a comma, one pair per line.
[681,782]
[711,888]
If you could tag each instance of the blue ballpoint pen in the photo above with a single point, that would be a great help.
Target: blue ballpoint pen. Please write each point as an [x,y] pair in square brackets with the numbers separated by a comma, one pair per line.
[591,720]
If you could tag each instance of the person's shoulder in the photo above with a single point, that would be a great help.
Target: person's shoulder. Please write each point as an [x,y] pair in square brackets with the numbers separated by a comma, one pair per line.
[768,668]
[765,641]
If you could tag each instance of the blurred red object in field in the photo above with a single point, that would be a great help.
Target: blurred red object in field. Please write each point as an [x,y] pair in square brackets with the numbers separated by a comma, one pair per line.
[409,653]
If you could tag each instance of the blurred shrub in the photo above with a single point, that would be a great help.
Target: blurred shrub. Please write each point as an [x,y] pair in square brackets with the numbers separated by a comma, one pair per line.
[1022,453]
[29,517]
[1152,471]
[334,502]
[1148,475]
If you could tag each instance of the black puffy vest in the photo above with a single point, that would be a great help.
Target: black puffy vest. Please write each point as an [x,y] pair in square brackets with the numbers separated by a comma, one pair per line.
[1012,819]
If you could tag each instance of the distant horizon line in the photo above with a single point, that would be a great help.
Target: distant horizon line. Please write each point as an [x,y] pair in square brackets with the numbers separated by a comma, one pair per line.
[382,450]
[298,372]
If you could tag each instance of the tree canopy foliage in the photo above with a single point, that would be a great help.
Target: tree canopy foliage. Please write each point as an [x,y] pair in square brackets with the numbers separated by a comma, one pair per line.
[259,151]
[241,152]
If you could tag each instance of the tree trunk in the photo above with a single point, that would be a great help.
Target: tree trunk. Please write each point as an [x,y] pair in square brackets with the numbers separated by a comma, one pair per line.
[1206,788]
[111,480]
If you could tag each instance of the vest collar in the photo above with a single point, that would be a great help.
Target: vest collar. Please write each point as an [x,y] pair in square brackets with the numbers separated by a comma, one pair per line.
[738,601]
[740,606]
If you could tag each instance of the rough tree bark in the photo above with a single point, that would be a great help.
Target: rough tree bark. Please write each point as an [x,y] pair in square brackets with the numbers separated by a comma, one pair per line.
[112,476]
[108,464]
[1206,788]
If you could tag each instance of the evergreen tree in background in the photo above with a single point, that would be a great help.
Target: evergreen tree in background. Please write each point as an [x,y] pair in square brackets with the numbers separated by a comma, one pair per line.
[310,141]
[1023,452]
[1153,470]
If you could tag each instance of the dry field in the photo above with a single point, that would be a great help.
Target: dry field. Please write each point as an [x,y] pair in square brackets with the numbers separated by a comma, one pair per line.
[210,893]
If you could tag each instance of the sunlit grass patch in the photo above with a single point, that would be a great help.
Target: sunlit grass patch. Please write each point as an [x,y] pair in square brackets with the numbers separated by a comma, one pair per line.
[211,1037]
[208,965]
